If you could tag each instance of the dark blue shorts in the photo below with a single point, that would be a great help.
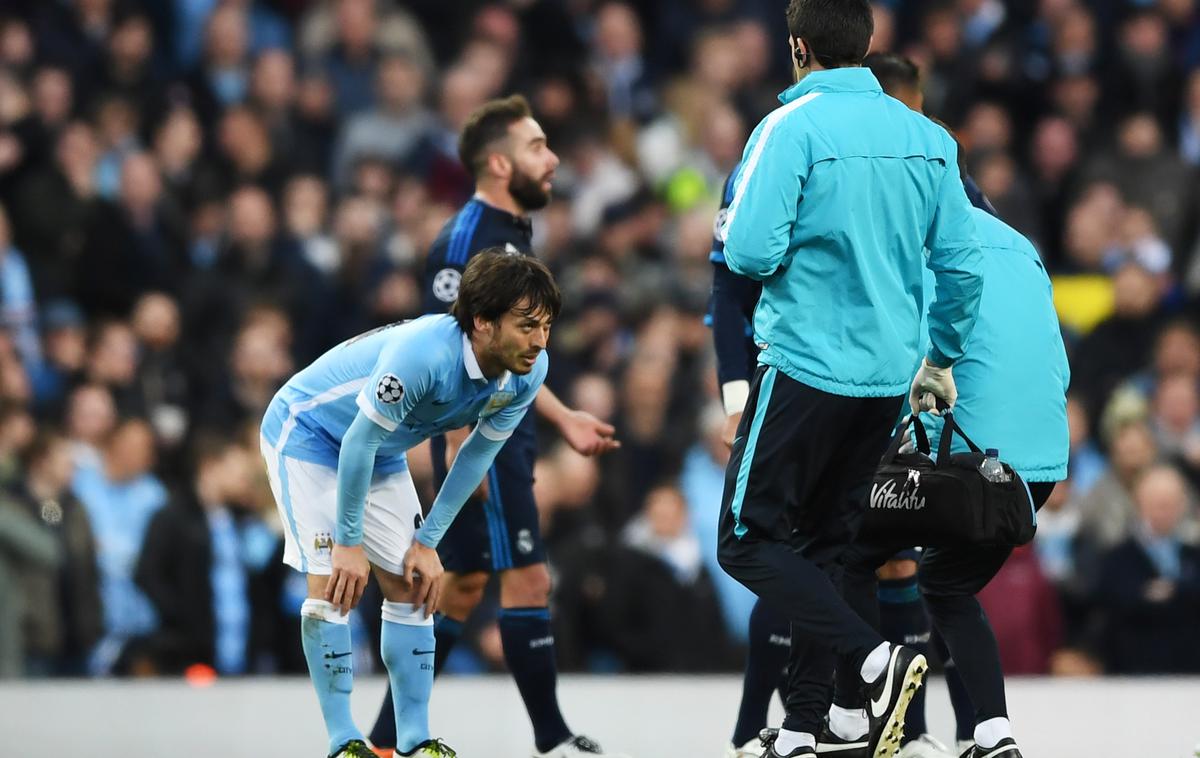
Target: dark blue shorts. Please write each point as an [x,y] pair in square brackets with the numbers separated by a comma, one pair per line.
[503,532]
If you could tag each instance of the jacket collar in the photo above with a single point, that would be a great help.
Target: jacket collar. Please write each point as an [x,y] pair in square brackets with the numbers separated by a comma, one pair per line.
[849,79]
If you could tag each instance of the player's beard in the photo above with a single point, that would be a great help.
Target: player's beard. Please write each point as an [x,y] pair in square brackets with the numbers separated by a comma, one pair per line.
[513,357]
[527,191]
[516,360]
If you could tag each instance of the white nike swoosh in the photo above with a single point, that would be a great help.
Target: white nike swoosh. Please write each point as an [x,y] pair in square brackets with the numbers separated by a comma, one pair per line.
[878,708]
[1001,751]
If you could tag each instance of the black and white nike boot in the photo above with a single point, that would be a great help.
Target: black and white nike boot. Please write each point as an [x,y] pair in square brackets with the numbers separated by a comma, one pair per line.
[768,737]
[1006,748]
[830,744]
[888,698]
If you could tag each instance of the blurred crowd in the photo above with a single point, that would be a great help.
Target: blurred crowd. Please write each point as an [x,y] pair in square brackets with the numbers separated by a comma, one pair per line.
[197,197]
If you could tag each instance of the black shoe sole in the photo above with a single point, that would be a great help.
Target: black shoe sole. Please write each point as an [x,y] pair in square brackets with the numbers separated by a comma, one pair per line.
[893,730]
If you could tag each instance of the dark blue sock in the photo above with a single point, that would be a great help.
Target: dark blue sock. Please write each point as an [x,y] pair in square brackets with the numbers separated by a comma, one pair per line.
[529,651]
[767,656]
[383,734]
[446,632]
[902,620]
[960,699]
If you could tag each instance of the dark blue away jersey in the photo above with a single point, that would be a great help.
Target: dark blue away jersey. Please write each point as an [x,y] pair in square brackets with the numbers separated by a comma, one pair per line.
[475,227]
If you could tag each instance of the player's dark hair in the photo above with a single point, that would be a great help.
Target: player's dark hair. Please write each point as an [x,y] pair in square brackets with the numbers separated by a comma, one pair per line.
[485,126]
[837,32]
[893,71]
[496,281]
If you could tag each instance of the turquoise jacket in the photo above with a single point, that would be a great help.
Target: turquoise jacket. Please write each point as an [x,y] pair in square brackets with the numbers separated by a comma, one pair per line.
[841,190]
[1012,380]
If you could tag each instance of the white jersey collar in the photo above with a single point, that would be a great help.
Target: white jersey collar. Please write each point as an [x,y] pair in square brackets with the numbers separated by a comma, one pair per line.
[472,365]
[469,360]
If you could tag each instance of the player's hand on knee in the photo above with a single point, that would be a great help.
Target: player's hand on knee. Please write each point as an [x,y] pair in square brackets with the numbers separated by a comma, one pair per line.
[588,435]
[931,384]
[423,573]
[349,578]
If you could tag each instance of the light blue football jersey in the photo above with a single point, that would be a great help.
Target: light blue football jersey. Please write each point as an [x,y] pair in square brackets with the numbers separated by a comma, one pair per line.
[416,379]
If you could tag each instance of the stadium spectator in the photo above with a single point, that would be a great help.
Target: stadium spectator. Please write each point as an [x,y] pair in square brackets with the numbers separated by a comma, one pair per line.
[1176,422]
[247,153]
[112,363]
[56,201]
[120,495]
[177,144]
[258,364]
[164,383]
[619,65]
[204,567]
[1108,354]
[91,415]
[129,72]
[1108,507]
[132,244]
[64,351]
[1150,585]
[58,591]
[254,265]
[222,77]
[661,606]
[394,128]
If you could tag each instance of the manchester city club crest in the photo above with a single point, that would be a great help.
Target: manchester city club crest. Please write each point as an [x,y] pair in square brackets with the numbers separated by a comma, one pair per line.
[498,400]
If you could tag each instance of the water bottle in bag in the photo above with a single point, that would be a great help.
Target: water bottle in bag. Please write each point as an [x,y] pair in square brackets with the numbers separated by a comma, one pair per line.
[991,468]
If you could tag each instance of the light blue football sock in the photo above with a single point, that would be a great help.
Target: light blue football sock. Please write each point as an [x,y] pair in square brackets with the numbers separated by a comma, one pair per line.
[326,638]
[407,645]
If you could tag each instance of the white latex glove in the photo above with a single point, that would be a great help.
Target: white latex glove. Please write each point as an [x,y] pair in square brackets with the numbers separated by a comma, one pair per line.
[930,385]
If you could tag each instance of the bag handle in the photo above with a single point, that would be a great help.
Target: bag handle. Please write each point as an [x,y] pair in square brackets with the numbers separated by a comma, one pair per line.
[898,440]
[951,428]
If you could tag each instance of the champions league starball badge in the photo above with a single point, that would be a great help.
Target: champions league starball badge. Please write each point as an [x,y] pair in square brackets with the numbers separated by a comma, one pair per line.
[389,390]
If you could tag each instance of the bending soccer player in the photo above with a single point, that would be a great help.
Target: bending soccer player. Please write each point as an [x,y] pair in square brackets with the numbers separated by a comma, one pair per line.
[505,149]
[335,438]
